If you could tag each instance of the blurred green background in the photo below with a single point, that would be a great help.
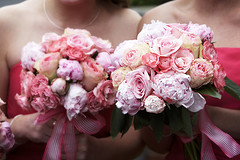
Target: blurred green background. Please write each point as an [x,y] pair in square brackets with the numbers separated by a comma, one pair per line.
[146,2]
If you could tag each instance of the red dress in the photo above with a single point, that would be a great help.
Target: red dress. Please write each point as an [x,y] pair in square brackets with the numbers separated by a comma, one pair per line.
[30,150]
[230,59]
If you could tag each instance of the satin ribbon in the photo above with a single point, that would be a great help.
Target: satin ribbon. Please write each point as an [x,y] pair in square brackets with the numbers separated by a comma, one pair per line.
[63,133]
[211,133]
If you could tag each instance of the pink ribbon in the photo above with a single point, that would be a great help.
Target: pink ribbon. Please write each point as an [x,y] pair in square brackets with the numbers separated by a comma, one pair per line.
[63,133]
[211,133]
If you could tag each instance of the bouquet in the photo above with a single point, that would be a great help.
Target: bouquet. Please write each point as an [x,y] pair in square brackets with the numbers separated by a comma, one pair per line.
[66,76]
[161,79]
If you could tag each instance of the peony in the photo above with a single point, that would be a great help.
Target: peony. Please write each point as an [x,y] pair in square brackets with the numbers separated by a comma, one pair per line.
[151,60]
[31,52]
[118,76]
[105,93]
[209,52]
[38,83]
[6,136]
[75,100]
[139,82]
[132,57]
[105,60]
[219,76]
[93,73]
[154,104]
[166,46]
[70,70]
[48,65]
[126,100]
[59,86]
[192,42]
[182,60]
[201,72]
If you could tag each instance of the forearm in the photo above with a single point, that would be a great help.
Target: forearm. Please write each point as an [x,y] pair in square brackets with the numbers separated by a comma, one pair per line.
[227,120]
[127,147]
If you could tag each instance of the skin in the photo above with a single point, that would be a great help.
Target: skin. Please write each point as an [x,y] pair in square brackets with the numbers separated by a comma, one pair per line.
[15,32]
[224,19]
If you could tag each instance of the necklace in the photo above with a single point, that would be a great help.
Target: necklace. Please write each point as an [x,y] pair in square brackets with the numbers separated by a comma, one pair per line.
[61,28]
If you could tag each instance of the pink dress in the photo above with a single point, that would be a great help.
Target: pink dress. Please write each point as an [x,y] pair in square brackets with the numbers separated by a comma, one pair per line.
[230,59]
[30,150]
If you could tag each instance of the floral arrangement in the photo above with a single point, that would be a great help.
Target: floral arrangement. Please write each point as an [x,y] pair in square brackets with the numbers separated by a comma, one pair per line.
[65,76]
[161,78]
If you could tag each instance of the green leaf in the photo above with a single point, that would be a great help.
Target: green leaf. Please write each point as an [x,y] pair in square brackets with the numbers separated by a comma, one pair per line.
[141,119]
[209,90]
[232,88]
[174,118]
[194,118]
[157,122]
[118,120]
[127,124]
[187,123]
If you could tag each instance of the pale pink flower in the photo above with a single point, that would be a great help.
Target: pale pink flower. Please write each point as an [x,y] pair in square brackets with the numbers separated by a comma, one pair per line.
[105,60]
[92,104]
[75,100]
[118,76]
[57,45]
[127,101]
[31,52]
[6,136]
[59,86]
[166,46]
[192,42]
[219,76]
[201,72]
[154,104]
[70,70]
[182,60]
[102,45]
[48,64]
[71,31]
[209,52]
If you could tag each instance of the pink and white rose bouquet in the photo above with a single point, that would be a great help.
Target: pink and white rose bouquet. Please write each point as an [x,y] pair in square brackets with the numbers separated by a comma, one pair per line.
[162,75]
[67,76]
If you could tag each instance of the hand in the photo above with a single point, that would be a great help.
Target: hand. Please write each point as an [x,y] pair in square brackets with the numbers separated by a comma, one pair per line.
[24,129]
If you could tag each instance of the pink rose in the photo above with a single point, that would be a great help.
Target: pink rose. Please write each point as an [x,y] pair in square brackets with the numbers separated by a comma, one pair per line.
[209,52]
[48,65]
[118,76]
[127,101]
[165,64]
[201,72]
[154,104]
[93,73]
[139,82]
[82,42]
[151,60]
[6,136]
[182,60]
[31,52]
[70,70]
[192,42]
[92,104]
[57,45]
[59,86]
[102,45]
[166,46]
[75,100]
[74,53]
[219,76]
[105,93]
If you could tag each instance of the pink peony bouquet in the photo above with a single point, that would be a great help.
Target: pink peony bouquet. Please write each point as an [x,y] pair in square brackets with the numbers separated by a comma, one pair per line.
[67,76]
[161,78]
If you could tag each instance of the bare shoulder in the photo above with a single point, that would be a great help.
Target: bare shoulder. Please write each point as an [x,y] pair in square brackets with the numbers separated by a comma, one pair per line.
[164,13]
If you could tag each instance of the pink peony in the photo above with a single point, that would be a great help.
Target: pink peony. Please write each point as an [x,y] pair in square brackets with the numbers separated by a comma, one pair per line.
[105,60]
[139,82]
[209,52]
[6,136]
[219,76]
[182,60]
[92,104]
[201,72]
[59,86]
[75,100]
[105,93]
[31,52]
[127,101]
[40,81]
[166,46]
[151,60]
[70,70]
[165,64]
[48,65]
[154,104]
[118,76]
